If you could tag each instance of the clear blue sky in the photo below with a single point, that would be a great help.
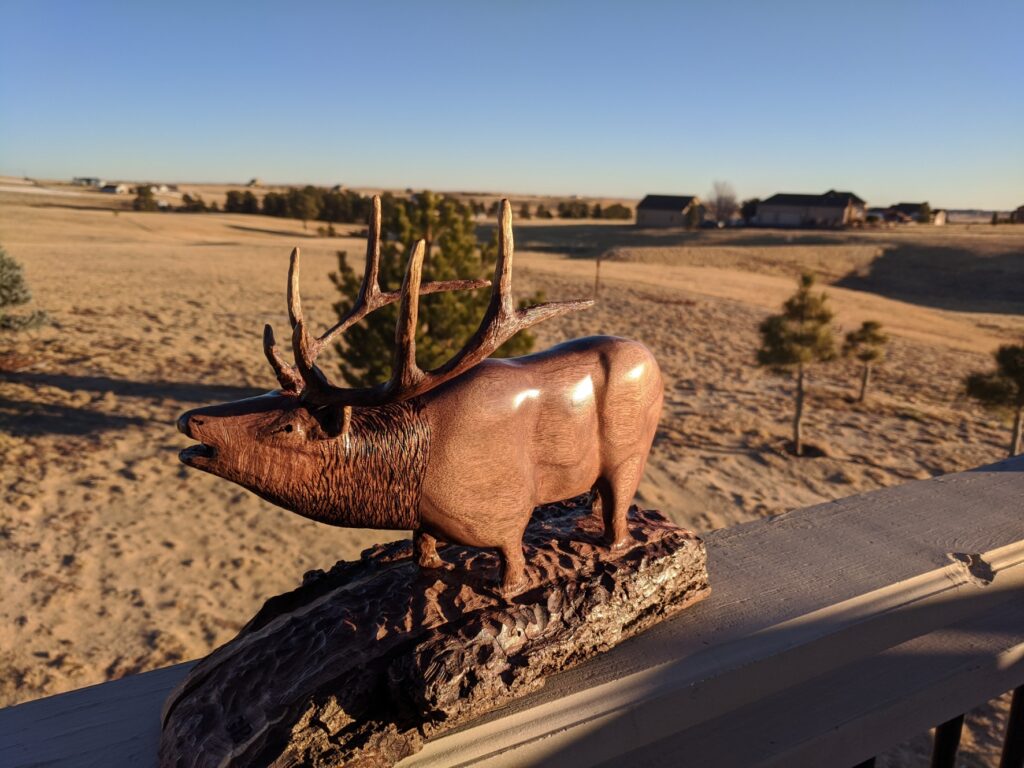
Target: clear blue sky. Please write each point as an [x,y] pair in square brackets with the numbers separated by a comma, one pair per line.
[892,100]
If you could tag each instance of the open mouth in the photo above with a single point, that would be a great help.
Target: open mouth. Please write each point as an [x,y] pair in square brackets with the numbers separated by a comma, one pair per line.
[195,453]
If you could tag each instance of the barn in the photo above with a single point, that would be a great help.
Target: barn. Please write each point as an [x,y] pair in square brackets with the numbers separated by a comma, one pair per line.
[667,210]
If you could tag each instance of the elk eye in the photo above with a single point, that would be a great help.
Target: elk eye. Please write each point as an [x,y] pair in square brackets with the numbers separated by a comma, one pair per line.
[289,428]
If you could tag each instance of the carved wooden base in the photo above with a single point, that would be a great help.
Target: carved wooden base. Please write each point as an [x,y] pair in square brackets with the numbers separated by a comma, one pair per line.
[362,663]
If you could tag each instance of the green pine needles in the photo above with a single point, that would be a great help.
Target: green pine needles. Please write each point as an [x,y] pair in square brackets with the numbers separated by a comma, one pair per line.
[14,292]
[867,345]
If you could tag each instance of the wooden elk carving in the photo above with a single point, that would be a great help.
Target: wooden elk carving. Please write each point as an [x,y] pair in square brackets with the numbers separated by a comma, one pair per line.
[462,453]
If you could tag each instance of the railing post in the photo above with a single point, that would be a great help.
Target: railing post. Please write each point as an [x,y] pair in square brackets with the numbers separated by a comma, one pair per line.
[1013,747]
[947,742]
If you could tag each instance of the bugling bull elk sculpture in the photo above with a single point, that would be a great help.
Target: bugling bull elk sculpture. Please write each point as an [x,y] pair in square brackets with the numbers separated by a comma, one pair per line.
[461,453]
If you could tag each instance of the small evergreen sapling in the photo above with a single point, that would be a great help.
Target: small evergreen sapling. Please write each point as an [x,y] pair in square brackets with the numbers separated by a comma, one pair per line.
[866,344]
[144,199]
[14,292]
[1002,390]
[797,338]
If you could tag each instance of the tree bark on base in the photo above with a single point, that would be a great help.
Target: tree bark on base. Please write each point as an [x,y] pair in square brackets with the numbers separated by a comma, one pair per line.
[363,663]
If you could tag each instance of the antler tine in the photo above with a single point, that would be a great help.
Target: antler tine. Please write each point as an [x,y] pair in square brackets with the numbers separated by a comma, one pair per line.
[294,298]
[368,298]
[405,374]
[501,290]
[301,343]
[371,274]
[286,374]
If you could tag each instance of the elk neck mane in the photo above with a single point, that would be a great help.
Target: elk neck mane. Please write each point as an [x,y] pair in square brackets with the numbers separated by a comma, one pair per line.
[374,475]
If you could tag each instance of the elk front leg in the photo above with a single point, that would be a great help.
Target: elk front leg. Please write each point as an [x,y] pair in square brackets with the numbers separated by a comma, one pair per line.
[424,547]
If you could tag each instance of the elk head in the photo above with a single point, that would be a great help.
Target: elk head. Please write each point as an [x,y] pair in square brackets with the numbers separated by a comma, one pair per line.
[288,445]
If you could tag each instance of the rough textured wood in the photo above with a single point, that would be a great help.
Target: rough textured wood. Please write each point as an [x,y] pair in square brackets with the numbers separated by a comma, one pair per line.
[362,663]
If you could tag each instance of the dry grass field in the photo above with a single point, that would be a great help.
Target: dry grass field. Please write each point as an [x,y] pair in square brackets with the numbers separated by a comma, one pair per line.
[115,559]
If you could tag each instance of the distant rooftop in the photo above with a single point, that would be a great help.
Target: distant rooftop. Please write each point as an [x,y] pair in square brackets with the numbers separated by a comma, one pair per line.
[665,202]
[830,199]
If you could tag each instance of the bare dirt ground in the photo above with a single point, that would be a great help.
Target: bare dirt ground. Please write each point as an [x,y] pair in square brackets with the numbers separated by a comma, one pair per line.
[114,558]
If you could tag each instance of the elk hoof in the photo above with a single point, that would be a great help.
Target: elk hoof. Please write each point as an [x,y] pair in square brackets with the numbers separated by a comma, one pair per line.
[618,544]
[509,589]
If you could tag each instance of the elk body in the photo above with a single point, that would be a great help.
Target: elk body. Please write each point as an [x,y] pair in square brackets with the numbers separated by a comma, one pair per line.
[462,453]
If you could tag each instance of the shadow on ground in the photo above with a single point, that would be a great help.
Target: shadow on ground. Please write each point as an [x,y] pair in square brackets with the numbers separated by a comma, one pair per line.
[919,271]
[945,278]
[25,418]
[281,232]
[175,390]
[588,241]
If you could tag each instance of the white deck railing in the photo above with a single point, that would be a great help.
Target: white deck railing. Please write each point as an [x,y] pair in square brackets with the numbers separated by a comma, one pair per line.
[832,633]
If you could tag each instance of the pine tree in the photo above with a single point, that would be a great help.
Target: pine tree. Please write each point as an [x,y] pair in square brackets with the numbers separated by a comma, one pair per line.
[447,320]
[866,344]
[304,204]
[14,292]
[1002,390]
[144,200]
[800,336]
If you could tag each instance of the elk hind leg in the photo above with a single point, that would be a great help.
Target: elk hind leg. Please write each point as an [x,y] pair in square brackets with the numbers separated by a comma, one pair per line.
[513,567]
[616,493]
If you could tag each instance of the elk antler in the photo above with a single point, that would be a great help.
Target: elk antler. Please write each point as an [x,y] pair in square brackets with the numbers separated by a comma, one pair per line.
[501,322]
[304,374]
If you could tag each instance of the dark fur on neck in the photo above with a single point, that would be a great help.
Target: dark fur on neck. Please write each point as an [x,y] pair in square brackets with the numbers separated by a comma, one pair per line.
[373,477]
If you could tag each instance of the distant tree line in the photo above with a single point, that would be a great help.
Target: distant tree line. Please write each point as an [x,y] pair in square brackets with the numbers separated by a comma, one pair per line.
[343,206]
[565,209]
[307,203]
[578,209]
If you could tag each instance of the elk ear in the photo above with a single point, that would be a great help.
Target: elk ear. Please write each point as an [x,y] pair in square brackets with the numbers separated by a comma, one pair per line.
[335,422]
